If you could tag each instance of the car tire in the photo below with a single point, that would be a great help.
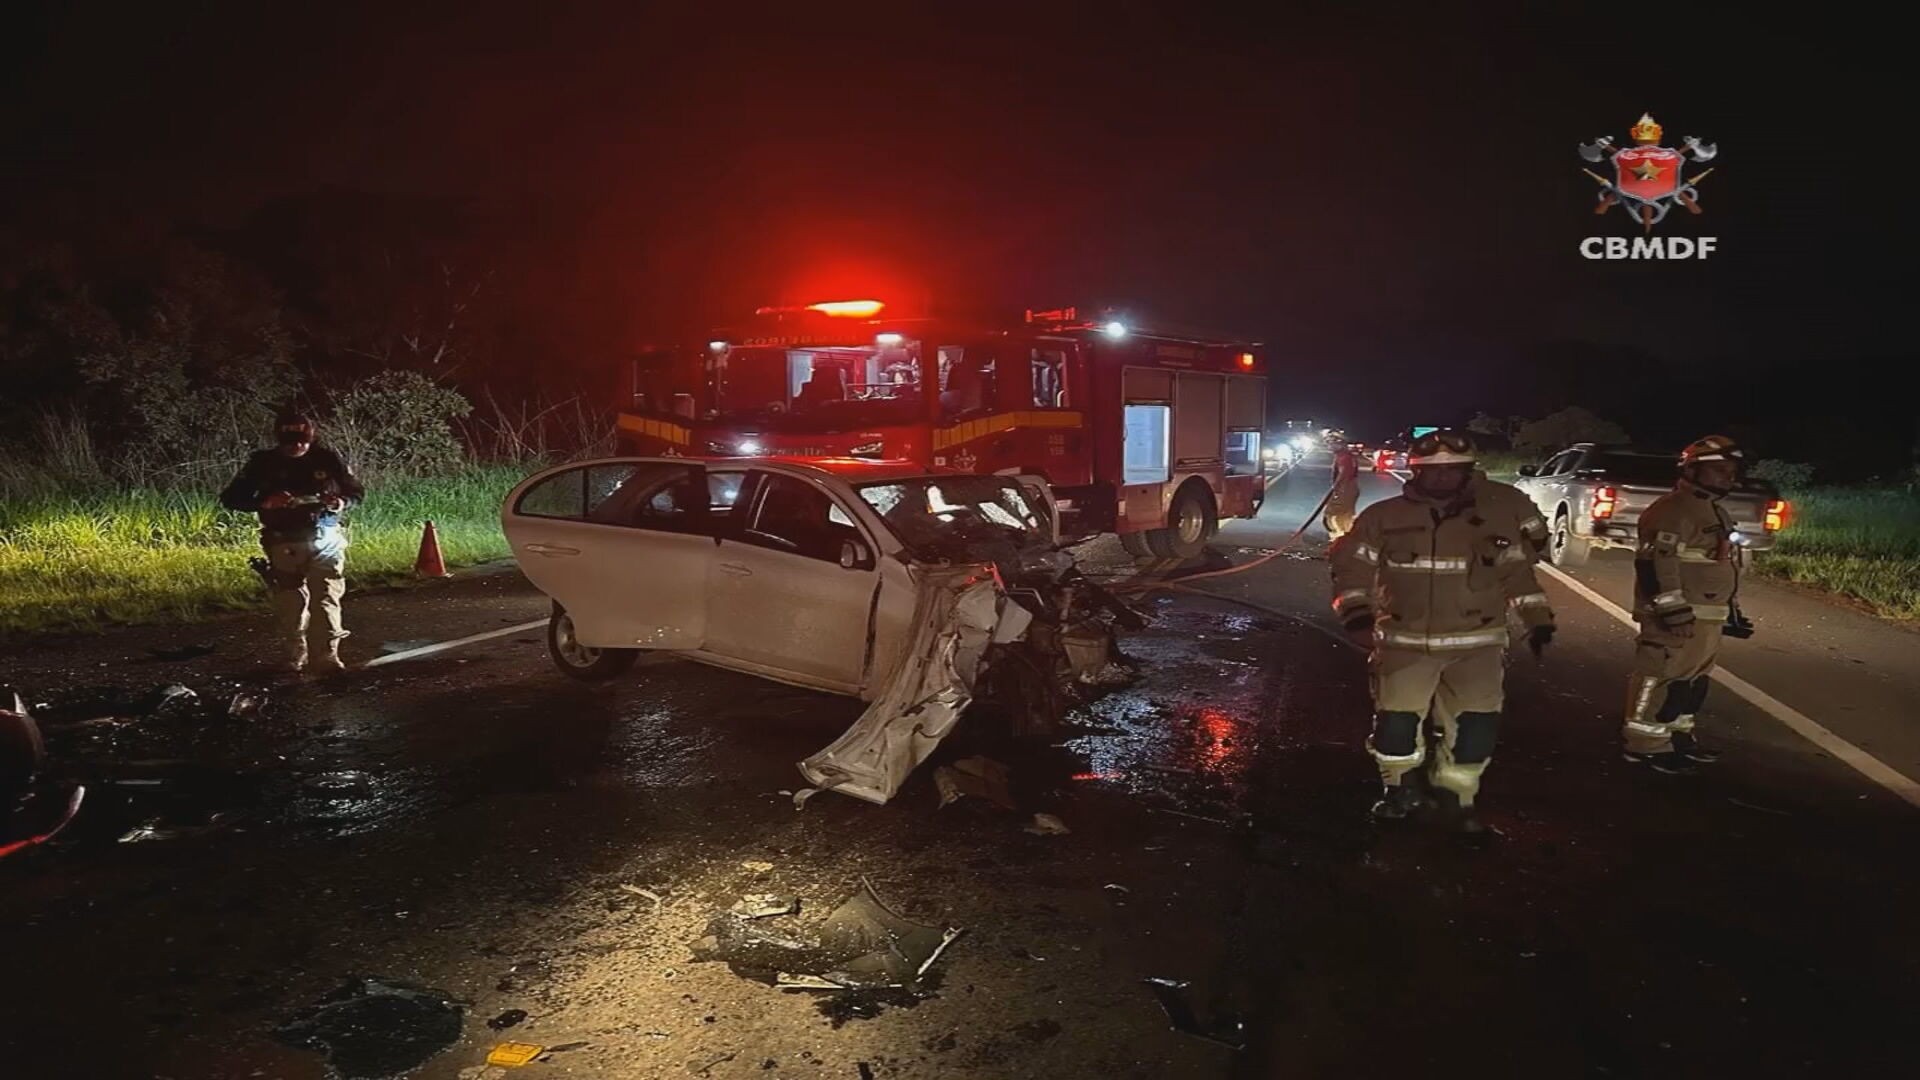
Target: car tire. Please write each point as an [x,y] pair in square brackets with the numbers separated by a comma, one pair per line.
[1192,521]
[1566,547]
[579,661]
[1135,544]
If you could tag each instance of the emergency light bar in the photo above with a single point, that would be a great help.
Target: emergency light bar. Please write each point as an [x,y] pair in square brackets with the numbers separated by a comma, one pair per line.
[838,309]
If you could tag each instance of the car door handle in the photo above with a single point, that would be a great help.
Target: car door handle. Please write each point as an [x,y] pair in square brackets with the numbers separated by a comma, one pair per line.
[736,569]
[551,549]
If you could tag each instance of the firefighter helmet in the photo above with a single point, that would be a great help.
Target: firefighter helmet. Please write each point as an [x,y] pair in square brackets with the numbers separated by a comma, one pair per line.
[1711,448]
[1441,448]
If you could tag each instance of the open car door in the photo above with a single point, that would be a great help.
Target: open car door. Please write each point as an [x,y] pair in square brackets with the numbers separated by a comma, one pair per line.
[1041,493]
[624,545]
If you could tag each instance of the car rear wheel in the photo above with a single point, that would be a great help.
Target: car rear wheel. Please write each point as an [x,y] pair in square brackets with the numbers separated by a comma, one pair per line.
[1566,548]
[583,662]
[1191,522]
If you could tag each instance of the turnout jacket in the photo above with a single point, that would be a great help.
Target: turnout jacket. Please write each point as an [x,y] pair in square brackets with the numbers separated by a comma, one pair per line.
[1684,566]
[317,473]
[1437,576]
[1506,498]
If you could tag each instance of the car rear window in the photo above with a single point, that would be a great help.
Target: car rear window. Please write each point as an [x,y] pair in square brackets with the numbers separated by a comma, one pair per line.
[1652,470]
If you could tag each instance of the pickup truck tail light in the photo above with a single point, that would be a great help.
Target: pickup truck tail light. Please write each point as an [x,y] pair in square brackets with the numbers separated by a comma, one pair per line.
[1776,518]
[1604,500]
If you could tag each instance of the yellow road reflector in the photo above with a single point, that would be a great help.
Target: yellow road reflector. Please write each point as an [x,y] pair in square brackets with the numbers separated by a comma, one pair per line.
[511,1054]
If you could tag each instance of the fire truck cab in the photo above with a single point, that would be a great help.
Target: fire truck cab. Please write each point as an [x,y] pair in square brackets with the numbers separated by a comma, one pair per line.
[1150,432]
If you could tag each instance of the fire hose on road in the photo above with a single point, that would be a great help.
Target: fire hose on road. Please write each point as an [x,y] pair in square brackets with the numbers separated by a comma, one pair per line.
[1181,584]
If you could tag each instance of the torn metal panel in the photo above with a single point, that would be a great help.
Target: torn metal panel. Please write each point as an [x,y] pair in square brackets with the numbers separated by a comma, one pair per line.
[956,614]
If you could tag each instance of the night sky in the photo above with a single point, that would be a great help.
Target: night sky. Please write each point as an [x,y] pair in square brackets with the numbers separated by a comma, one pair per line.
[1391,204]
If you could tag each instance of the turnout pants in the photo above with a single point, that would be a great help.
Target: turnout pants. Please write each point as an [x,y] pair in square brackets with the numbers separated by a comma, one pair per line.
[1668,684]
[1462,691]
[309,576]
[1341,506]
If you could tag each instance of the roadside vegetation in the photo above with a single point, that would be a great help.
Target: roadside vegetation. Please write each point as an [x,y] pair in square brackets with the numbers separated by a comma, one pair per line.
[1859,543]
[89,541]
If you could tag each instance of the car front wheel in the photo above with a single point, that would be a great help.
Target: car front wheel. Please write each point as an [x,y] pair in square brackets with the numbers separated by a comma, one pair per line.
[583,662]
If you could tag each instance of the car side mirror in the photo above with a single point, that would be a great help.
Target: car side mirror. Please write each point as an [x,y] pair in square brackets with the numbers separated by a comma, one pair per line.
[1529,470]
[854,555]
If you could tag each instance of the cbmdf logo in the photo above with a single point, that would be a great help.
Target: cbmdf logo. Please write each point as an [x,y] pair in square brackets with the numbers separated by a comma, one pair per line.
[1648,181]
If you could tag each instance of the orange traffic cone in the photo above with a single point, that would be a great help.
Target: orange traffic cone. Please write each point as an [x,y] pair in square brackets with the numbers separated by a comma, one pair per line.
[430,564]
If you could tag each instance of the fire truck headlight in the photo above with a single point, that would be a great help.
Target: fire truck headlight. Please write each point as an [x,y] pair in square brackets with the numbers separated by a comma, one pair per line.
[1116,330]
[747,448]
[887,339]
[717,346]
[871,449]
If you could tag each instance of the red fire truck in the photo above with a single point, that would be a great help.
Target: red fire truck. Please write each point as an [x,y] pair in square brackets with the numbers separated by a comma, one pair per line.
[1151,432]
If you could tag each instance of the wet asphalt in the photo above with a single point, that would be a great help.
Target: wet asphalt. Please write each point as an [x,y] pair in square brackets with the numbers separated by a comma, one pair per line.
[477,828]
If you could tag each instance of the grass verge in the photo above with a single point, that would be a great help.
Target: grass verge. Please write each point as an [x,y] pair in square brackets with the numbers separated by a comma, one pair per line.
[92,561]
[1863,544]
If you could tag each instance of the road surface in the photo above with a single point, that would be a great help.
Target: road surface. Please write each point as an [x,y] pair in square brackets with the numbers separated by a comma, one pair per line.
[470,822]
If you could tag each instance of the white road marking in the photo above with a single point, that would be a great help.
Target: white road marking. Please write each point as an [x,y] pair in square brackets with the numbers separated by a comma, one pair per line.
[1819,735]
[443,646]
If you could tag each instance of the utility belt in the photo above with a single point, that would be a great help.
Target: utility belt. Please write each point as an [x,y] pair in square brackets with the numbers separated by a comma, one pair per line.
[312,534]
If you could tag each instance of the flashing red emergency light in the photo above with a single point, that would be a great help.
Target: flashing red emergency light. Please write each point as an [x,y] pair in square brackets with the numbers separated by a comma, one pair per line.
[838,309]
[1776,518]
[1246,360]
[1604,501]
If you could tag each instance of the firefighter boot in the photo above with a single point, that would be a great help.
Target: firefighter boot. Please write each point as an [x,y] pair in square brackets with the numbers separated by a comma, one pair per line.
[1398,801]
[1670,762]
[1463,821]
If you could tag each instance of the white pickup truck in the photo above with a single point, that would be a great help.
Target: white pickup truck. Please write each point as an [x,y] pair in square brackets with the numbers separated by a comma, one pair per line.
[1592,496]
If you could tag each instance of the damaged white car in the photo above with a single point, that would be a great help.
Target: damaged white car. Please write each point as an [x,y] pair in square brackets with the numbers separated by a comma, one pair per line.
[866,579]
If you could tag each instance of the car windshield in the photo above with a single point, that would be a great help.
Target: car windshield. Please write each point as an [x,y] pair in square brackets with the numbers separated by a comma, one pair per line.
[1641,470]
[943,517]
[822,389]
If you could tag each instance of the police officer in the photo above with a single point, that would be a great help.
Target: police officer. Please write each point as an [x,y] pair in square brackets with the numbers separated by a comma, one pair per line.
[299,489]
[1345,498]
[1425,581]
[1686,570]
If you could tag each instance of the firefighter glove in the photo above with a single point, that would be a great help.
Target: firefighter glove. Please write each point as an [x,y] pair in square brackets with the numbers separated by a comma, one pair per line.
[1359,628]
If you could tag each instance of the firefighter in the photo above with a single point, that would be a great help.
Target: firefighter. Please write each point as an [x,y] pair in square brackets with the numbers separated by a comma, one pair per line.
[299,489]
[1345,498]
[1424,581]
[1686,571]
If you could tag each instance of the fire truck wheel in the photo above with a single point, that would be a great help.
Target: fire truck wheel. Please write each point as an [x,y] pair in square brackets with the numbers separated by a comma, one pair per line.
[1136,544]
[1191,522]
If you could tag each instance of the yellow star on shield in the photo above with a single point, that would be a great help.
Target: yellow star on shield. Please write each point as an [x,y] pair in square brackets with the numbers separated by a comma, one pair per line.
[1647,170]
